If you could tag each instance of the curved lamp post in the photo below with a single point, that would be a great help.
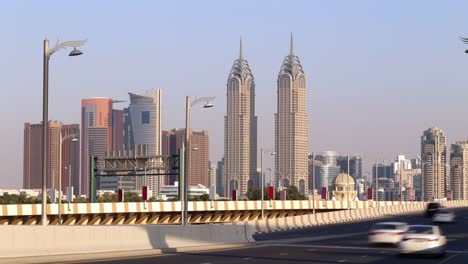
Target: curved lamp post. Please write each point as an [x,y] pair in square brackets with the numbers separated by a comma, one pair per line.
[184,182]
[45,110]
[262,177]
[74,139]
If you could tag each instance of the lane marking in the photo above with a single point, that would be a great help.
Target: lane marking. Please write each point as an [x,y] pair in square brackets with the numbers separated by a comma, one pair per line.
[309,239]
[447,259]
[332,247]
[315,247]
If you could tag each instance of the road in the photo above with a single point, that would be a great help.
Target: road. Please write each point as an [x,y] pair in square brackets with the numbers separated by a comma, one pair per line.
[341,243]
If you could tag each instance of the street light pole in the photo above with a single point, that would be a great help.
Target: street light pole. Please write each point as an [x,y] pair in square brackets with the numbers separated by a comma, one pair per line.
[184,181]
[313,183]
[62,139]
[45,111]
[45,129]
[261,180]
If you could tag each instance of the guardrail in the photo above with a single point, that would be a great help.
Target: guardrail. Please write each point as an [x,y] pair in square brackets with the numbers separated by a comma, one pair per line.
[309,220]
[169,212]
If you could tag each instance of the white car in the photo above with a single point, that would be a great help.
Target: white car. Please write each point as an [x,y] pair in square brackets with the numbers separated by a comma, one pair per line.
[443,216]
[423,239]
[387,232]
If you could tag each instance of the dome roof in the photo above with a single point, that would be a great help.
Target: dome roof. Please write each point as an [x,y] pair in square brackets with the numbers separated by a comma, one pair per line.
[344,179]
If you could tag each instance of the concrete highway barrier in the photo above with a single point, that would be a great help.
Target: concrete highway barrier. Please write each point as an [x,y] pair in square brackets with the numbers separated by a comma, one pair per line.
[21,241]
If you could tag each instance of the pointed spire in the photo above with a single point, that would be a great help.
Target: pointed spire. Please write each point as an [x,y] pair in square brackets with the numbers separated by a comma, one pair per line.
[241,53]
[291,49]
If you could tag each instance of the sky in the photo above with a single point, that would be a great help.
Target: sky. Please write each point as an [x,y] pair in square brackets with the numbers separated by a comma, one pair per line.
[378,72]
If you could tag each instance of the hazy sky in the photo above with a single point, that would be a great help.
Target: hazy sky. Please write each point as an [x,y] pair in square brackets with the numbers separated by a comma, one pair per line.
[378,72]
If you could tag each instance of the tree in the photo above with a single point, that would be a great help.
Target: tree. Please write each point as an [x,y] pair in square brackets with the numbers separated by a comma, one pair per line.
[292,193]
[132,197]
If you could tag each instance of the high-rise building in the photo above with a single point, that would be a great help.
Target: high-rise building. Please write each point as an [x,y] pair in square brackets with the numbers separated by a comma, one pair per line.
[240,128]
[198,153]
[326,170]
[384,171]
[220,179]
[143,127]
[355,165]
[32,155]
[71,157]
[117,129]
[433,157]
[291,125]
[458,172]
[96,135]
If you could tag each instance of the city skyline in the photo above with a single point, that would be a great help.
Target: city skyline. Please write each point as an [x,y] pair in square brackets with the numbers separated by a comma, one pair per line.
[385,76]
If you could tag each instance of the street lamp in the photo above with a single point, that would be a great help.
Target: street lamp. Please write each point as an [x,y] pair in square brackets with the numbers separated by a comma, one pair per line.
[45,110]
[262,178]
[62,139]
[184,181]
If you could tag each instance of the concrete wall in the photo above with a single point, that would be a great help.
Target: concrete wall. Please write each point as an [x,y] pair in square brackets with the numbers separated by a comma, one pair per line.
[19,241]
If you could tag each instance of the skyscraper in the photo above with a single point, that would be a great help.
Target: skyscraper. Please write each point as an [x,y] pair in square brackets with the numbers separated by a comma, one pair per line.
[458,173]
[240,128]
[355,165]
[197,154]
[32,155]
[96,134]
[143,127]
[220,179]
[117,129]
[433,158]
[291,125]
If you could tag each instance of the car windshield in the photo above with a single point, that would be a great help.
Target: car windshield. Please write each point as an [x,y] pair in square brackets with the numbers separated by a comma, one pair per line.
[433,205]
[385,227]
[420,230]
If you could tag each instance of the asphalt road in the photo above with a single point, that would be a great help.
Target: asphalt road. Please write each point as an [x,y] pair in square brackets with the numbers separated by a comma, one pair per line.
[343,243]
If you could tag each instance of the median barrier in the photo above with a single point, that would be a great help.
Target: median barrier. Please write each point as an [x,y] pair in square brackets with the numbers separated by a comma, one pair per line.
[22,241]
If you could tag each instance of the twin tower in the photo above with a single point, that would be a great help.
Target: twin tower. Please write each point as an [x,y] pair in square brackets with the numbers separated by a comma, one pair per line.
[291,128]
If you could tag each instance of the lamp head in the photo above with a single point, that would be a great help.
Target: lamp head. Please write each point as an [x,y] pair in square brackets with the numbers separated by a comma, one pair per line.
[208,105]
[74,140]
[75,52]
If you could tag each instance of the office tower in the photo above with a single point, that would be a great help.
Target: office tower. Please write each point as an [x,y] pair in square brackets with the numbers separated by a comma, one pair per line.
[384,171]
[143,127]
[433,158]
[291,125]
[220,179]
[416,163]
[326,170]
[458,173]
[197,154]
[240,128]
[355,165]
[71,157]
[117,129]
[96,136]
[32,155]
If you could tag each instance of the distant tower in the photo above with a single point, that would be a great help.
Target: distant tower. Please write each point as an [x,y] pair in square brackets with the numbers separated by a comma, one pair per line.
[291,125]
[458,172]
[433,155]
[96,135]
[240,128]
[143,127]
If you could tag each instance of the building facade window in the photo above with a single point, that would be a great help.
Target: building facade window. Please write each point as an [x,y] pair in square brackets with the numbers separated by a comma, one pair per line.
[145,117]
